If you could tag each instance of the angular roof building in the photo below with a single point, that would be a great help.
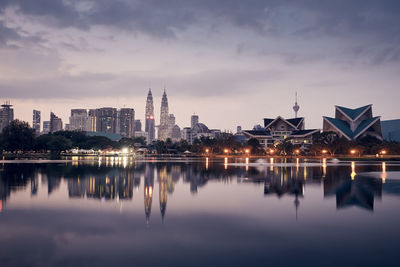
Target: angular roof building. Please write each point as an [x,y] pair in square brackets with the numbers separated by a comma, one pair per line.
[353,124]
[278,129]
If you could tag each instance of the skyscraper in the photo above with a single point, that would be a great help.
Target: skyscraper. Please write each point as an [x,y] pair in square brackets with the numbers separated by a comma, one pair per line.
[36,121]
[106,120]
[194,120]
[164,119]
[6,115]
[78,120]
[149,125]
[126,122]
[138,126]
[55,123]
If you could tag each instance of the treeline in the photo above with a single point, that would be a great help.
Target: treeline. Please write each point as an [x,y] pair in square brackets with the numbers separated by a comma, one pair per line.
[19,136]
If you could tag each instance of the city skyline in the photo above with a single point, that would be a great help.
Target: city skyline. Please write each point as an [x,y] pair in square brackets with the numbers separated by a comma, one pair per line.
[217,59]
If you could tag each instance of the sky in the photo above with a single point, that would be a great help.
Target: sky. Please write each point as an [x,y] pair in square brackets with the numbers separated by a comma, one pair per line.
[231,62]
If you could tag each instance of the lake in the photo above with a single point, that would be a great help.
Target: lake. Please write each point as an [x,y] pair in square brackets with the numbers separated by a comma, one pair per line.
[199,212]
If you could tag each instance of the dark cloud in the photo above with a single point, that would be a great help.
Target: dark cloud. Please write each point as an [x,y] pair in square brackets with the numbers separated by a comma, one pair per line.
[163,18]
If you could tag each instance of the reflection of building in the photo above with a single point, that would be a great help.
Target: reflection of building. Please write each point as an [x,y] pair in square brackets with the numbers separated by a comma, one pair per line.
[6,115]
[353,124]
[278,129]
[163,190]
[148,190]
[149,123]
[55,123]
[36,118]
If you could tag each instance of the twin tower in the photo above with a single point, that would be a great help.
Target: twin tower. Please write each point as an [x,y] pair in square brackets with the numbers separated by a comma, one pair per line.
[165,118]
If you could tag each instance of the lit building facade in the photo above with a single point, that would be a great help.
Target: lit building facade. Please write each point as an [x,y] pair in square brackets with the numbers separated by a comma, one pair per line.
[127,122]
[106,120]
[149,114]
[163,130]
[278,129]
[354,124]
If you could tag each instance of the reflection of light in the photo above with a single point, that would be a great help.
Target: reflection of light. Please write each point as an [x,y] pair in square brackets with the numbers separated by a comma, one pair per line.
[297,165]
[247,164]
[353,170]
[226,163]
[148,191]
[305,172]
[206,163]
[125,150]
[1,205]
[384,174]
[324,167]
[271,161]
[124,162]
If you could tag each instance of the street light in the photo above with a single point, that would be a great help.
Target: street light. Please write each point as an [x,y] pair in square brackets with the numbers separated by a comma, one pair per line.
[207,150]
[226,151]
[271,151]
[324,151]
[353,151]
[247,151]
[297,151]
[383,152]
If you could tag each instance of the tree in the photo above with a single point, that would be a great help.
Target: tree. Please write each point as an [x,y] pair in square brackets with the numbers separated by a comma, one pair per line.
[254,145]
[285,146]
[18,135]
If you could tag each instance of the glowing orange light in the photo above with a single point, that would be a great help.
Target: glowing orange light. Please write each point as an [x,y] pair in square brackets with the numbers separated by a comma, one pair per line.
[207,150]
[324,151]
[297,151]
[383,152]
[226,151]
[353,151]
[271,151]
[247,151]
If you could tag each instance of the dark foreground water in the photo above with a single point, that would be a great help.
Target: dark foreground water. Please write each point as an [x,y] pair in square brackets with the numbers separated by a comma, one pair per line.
[118,212]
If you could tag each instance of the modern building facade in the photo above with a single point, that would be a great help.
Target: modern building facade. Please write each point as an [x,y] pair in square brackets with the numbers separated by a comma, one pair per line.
[46,127]
[194,119]
[78,120]
[138,126]
[127,122]
[36,120]
[106,120]
[55,123]
[163,130]
[278,129]
[149,117]
[6,115]
[354,124]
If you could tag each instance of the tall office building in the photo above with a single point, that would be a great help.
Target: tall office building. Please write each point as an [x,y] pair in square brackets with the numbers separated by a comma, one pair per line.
[138,126]
[78,120]
[6,115]
[55,123]
[194,120]
[106,120]
[91,123]
[164,119]
[46,127]
[149,125]
[36,121]
[126,122]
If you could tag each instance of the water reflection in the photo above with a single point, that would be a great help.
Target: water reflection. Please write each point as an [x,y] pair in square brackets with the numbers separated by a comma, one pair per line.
[116,179]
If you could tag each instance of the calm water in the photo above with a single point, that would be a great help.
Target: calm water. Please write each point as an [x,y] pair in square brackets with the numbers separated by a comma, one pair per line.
[199,213]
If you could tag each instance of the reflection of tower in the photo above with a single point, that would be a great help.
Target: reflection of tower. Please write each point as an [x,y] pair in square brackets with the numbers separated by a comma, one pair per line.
[164,118]
[163,191]
[148,191]
[296,203]
[296,107]
[149,126]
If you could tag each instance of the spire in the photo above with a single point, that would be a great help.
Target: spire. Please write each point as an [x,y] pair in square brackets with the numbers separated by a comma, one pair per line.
[296,107]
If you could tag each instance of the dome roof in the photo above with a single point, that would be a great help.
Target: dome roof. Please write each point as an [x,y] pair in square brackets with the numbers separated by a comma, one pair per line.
[200,128]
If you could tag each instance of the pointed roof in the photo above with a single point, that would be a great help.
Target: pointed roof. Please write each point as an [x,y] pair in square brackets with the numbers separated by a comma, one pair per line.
[344,128]
[296,121]
[353,114]
[292,122]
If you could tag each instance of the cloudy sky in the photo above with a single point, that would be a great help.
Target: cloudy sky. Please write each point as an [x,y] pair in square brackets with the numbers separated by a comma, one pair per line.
[231,62]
